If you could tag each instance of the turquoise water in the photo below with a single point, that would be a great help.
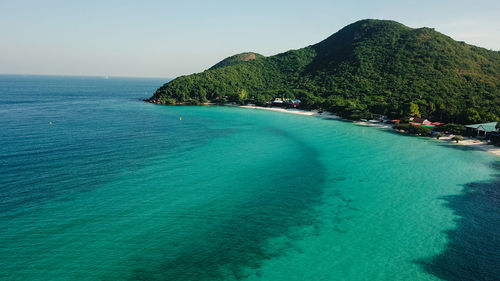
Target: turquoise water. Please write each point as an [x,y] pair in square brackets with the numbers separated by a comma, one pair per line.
[98,185]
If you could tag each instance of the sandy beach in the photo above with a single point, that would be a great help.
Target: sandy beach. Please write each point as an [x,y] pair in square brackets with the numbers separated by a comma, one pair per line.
[295,111]
[469,142]
[472,143]
[373,123]
[290,111]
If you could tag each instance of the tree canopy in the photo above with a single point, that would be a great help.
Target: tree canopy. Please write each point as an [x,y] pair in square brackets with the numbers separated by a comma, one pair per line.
[368,67]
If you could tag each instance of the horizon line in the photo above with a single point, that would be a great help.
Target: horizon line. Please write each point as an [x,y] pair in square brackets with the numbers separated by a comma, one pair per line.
[85,75]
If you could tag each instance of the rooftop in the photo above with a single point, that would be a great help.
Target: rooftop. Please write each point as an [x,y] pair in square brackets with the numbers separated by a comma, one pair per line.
[487,126]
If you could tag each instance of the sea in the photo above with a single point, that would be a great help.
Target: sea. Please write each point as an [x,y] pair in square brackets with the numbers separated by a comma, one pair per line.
[96,184]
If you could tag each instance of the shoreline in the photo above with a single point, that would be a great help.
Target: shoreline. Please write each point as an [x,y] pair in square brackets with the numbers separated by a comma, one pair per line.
[292,111]
[474,143]
[467,142]
[283,110]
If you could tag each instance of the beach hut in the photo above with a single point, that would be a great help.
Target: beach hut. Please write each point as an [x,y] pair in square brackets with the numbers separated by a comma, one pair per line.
[437,124]
[279,102]
[420,121]
[379,117]
[293,103]
[481,130]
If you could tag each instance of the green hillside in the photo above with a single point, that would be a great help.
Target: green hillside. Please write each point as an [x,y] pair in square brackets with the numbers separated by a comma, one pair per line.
[236,59]
[371,66]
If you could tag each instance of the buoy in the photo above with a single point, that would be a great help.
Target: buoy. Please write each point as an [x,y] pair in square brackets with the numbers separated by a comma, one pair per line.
[180,117]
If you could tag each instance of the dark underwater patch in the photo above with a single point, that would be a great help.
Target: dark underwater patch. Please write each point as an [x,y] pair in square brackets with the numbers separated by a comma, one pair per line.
[240,241]
[473,250]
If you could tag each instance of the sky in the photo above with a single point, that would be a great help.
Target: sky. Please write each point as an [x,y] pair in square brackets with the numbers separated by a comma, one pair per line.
[172,38]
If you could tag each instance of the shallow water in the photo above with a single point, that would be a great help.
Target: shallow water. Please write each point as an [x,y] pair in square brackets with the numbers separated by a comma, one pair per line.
[98,185]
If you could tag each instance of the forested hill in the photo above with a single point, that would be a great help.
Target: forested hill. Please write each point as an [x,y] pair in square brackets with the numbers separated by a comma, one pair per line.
[370,66]
[236,59]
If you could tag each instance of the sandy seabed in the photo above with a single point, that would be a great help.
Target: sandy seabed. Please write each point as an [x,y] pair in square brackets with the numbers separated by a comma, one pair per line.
[473,143]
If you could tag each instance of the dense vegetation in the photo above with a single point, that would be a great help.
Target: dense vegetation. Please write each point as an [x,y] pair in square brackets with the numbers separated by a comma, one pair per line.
[237,59]
[413,129]
[368,67]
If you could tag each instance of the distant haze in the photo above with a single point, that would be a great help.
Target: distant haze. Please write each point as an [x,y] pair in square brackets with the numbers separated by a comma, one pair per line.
[168,39]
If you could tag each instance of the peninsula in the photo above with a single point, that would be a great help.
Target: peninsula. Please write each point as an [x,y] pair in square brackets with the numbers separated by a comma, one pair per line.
[368,67]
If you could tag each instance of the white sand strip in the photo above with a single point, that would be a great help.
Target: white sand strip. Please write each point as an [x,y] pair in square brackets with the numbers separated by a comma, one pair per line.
[474,143]
[373,124]
[291,111]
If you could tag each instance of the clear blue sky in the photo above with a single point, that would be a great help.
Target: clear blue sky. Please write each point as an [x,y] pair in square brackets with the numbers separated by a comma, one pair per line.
[171,38]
